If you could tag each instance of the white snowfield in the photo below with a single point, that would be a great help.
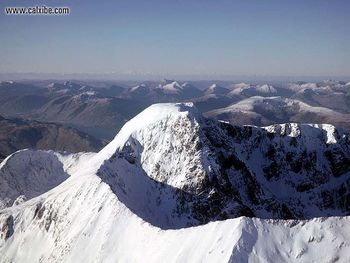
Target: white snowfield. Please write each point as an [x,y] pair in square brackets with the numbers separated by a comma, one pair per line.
[76,217]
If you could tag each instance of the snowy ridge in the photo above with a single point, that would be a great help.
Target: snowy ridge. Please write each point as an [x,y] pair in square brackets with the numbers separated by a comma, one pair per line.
[159,188]
[305,130]
[247,89]
[249,104]
[266,110]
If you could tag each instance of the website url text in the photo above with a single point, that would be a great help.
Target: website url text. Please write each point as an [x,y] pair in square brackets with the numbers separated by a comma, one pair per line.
[37,10]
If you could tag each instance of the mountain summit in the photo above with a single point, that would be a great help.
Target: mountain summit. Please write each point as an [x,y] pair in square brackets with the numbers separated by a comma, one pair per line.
[170,169]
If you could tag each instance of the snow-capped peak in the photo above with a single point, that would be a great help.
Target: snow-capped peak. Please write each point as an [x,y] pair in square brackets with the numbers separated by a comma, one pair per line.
[171,168]
[171,88]
[154,114]
[159,135]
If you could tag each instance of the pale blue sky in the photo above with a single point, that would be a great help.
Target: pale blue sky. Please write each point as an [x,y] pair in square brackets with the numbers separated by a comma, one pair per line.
[169,38]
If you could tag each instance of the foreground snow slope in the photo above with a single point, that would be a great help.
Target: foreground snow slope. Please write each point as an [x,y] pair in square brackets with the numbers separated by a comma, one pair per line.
[144,197]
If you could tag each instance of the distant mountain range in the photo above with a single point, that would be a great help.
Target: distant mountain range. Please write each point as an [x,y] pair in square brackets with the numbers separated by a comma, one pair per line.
[261,111]
[101,108]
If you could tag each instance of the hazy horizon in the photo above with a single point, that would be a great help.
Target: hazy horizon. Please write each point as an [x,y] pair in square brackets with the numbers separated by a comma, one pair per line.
[141,78]
[179,39]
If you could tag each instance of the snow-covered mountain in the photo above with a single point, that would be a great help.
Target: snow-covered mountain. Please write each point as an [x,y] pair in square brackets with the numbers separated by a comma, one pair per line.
[164,91]
[100,108]
[251,90]
[175,186]
[259,110]
[183,91]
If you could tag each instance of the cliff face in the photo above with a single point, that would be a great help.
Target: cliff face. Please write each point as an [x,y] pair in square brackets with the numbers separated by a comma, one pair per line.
[216,171]
[169,169]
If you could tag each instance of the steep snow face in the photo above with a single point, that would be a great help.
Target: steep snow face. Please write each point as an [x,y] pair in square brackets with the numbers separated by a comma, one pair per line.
[27,174]
[84,223]
[171,168]
[159,161]
[165,138]
[293,241]
[179,156]
[160,166]
[92,227]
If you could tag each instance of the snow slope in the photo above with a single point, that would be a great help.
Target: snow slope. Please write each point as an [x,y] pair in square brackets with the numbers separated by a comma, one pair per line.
[20,181]
[145,196]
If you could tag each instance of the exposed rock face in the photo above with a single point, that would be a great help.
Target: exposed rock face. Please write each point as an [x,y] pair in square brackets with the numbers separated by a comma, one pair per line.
[207,170]
[170,168]
[7,228]
[217,171]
